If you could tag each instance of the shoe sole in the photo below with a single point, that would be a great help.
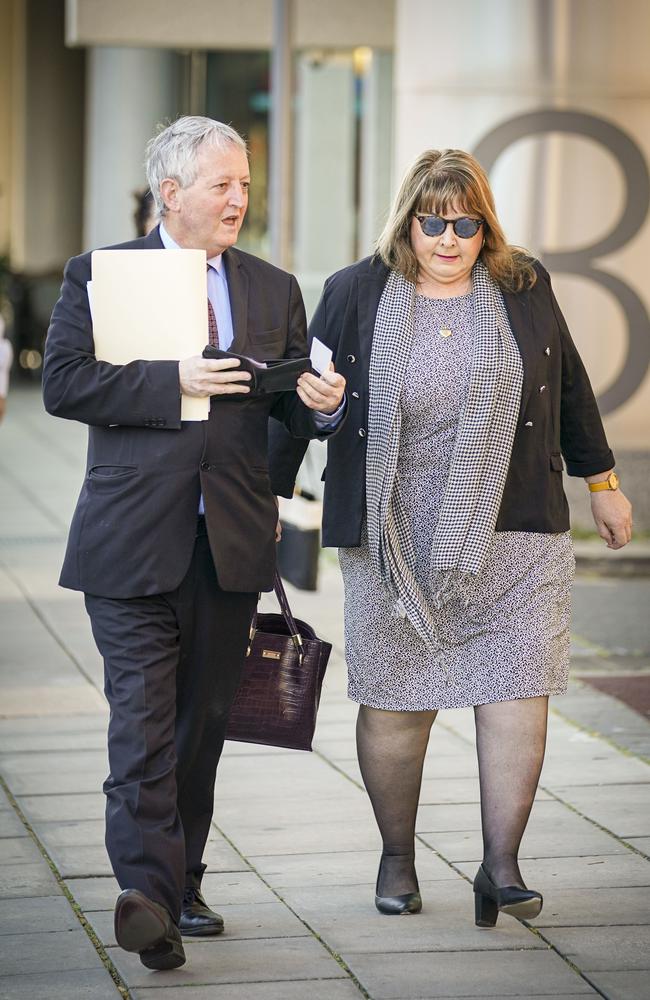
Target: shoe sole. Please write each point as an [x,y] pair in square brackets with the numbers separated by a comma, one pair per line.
[137,927]
[526,910]
[168,955]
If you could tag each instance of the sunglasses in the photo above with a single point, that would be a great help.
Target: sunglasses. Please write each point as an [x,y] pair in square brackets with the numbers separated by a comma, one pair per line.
[435,225]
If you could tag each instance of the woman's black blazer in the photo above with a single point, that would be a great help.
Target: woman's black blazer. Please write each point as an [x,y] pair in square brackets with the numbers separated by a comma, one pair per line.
[558,415]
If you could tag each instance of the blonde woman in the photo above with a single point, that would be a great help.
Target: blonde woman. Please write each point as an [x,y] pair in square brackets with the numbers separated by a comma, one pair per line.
[443,492]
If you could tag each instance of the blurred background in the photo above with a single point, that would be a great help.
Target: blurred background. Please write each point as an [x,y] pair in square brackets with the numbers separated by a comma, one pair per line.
[336,99]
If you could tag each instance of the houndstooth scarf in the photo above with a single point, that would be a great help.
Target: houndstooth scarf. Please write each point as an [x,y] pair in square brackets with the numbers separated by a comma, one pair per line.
[480,460]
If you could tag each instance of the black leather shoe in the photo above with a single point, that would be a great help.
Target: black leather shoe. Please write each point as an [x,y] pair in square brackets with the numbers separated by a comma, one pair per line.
[489,901]
[408,902]
[197,919]
[147,927]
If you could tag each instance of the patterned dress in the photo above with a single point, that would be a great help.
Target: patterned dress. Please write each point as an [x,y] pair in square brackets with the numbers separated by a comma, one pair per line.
[512,640]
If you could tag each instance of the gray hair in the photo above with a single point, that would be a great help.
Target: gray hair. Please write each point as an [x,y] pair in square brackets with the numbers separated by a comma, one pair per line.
[173,151]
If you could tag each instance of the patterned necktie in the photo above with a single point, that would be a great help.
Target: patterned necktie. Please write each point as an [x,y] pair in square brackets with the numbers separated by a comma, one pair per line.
[213,332]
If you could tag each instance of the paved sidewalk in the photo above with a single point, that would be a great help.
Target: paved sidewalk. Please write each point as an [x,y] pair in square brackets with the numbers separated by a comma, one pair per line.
[293,852]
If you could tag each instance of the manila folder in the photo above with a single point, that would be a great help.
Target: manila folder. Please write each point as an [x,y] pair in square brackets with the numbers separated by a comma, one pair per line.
[151,305]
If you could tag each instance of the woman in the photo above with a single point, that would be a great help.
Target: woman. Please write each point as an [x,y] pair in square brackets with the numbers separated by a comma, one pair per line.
[444,493]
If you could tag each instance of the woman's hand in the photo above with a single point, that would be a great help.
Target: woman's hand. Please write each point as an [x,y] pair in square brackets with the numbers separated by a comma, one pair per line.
[612,514]
[323,394]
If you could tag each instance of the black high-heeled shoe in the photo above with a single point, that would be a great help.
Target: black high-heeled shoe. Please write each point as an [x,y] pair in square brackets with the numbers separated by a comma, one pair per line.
[489,901]
[408,902]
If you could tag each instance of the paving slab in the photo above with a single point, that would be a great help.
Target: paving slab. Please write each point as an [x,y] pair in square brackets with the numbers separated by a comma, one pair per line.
[243,921]
[346,918]
[37,726]
[465,974]
[573,835]
[219,889]
[594,907]
[93,762]
[71,833]
[10,826]
[39,914]
[254,839]
[623,808]
[52,951]
[27,880]
[603,949]
[331,989]
[92,860]
[52,742]
[640,844]
[632,985]
[552,874]
[43,808]
[89,984]
[221,961]
[19,851]
[604,768]
[57,783]
[339,868]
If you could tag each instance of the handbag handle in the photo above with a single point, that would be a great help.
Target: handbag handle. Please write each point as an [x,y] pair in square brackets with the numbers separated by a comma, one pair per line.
[283,601]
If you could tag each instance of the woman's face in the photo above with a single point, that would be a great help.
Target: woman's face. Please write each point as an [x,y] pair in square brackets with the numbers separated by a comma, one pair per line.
[447,259]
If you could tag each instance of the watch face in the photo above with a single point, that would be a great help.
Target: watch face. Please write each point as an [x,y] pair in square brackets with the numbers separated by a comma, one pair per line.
[612,479]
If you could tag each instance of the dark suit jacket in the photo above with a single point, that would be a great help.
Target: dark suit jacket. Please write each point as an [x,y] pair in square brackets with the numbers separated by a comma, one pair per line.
[558,414]
[133,530]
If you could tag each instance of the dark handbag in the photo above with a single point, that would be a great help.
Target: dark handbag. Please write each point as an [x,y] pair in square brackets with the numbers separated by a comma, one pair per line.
[283,673]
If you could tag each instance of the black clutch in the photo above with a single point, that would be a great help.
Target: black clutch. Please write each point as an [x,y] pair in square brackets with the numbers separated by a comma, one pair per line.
[277,699]
[266,376]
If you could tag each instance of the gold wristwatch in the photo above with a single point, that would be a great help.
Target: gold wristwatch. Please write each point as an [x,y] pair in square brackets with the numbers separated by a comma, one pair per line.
[611,483]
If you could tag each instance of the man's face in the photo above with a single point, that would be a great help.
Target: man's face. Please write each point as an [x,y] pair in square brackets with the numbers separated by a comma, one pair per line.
[208,214]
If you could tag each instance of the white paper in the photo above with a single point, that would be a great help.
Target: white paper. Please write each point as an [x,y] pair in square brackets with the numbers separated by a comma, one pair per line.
[150,305]
[320,356]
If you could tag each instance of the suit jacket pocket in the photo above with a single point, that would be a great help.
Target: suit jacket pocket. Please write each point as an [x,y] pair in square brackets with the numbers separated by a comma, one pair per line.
[109,479]
[111,471]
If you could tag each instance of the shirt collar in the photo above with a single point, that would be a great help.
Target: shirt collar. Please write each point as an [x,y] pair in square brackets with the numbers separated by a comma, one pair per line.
[170,244]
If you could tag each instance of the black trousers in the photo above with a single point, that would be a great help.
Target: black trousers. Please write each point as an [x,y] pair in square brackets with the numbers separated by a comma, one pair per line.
[172,665]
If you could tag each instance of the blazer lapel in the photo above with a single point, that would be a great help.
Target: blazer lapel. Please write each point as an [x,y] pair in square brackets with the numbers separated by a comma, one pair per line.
[238,292]
[370,288]
[521,322]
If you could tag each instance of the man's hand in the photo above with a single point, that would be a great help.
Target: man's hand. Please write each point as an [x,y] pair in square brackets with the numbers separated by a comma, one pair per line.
[323,394]
[612,513]
[211,377]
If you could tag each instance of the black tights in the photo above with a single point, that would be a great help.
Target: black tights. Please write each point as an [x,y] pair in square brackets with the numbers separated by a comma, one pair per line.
[510,739]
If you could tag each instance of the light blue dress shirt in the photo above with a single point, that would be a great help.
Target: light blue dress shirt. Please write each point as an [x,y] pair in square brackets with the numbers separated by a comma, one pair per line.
[217,292]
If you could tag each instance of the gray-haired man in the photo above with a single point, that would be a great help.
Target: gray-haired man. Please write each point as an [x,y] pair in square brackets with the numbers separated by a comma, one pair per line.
[174,531]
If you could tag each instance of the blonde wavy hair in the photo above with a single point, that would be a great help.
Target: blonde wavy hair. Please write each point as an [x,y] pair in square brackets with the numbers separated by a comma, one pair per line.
[443,180]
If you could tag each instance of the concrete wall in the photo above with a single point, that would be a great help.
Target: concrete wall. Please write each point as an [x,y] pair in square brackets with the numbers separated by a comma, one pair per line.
[222,24]
[118,128]
[554,98]
[41,123]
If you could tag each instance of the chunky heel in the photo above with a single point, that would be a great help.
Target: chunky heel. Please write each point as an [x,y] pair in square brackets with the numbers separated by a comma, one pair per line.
[489,900]
[486,910]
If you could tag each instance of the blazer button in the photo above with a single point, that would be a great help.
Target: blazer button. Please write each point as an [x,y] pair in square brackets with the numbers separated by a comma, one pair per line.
[355,395]
[547,351]
[542,388]
[205,466]
[529,423]
[351,358]
[362,433]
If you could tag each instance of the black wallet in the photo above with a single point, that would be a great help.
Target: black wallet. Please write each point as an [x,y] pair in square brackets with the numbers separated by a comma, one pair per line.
[266,376]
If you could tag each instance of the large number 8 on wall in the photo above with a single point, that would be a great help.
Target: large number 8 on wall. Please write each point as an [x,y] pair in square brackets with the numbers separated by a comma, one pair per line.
[580,262]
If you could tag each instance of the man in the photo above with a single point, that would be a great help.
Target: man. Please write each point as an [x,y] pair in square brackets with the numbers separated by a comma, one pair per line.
[174,531]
